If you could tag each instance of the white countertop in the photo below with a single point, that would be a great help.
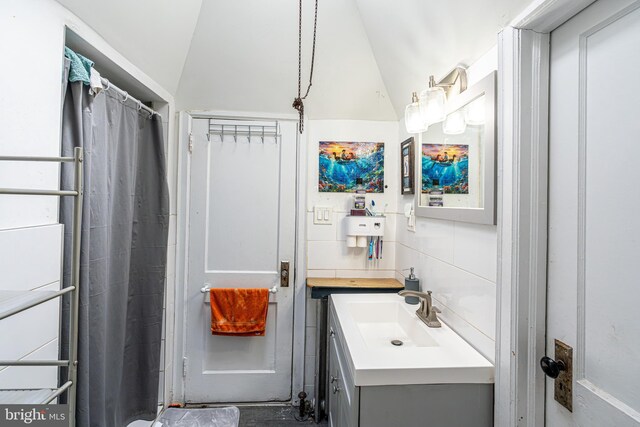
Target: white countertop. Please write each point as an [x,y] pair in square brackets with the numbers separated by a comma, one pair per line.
[369,322]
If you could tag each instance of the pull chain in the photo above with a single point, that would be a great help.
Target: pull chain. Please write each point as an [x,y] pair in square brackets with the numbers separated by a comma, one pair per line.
[298,103]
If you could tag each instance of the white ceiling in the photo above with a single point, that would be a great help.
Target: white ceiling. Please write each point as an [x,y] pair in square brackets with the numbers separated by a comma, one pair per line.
[153,34]
[241,55]
[244,57]
[412,39]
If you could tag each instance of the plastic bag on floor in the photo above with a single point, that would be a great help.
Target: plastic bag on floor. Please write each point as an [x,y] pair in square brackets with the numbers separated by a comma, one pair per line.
[205,417]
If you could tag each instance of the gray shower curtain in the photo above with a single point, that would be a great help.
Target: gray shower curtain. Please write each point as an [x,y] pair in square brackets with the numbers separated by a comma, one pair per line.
[123,254]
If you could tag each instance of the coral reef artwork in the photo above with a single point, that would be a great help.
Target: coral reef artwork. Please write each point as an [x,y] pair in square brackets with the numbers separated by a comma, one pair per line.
[342,163]
[445,167]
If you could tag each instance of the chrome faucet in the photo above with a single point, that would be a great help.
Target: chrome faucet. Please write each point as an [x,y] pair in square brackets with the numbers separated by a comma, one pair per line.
[426,312]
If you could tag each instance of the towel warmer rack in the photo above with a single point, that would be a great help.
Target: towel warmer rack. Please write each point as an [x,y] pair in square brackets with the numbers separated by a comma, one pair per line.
[14,302]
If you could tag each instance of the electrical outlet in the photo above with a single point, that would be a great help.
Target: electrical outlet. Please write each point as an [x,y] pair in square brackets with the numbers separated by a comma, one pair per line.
[322,215]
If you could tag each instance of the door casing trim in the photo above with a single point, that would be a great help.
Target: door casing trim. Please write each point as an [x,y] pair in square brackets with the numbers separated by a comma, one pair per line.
[523,112]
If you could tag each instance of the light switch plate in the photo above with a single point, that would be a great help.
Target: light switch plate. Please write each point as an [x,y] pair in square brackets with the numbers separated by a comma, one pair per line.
[322,215]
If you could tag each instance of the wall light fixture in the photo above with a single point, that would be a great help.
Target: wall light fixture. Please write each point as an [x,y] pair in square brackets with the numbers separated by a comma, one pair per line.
[432,102]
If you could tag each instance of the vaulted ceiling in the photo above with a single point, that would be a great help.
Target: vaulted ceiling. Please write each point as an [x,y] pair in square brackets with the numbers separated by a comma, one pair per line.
[241,55]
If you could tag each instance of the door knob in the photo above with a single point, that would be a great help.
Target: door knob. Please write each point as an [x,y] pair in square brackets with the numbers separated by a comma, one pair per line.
[552,368]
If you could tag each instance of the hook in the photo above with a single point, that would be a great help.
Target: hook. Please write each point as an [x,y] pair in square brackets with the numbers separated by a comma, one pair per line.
[126,96]
[140,108]
[108,83]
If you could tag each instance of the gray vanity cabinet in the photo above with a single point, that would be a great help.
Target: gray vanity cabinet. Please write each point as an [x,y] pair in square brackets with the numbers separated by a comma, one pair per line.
[408,405]
[344,397]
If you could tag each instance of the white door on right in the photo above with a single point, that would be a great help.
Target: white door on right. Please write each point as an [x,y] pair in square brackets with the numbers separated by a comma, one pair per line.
[594,213]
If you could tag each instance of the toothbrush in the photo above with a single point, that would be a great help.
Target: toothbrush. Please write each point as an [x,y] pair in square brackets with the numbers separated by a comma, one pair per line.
[370,248]
[375,239]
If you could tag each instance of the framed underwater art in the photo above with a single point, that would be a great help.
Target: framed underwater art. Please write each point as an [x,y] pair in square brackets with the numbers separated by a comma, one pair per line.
[340,164]
[407,177]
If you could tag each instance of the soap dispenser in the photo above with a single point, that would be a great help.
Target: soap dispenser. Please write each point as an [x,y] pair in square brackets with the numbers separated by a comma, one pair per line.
[411,283]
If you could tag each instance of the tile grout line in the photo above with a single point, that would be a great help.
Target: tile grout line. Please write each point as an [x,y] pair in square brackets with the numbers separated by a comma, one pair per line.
[445,262]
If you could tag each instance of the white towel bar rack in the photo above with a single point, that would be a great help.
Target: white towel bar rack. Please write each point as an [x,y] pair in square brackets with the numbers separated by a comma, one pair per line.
[206,288]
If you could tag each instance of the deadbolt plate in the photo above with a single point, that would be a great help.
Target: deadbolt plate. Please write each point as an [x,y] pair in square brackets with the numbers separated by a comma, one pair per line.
[563,391]
[284,274]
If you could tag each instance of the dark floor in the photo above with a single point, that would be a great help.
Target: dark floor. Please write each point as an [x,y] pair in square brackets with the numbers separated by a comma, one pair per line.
[272,416]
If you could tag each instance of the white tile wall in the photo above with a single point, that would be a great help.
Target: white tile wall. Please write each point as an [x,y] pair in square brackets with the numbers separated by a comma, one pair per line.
[22,377]
[327,253]
[470,244]
[460,272]
[455,260]
[30,259]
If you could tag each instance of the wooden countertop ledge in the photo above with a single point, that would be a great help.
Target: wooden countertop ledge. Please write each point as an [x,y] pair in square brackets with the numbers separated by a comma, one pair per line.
[343,282]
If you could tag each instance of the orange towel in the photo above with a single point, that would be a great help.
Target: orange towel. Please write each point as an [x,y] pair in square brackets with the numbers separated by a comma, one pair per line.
[239,312]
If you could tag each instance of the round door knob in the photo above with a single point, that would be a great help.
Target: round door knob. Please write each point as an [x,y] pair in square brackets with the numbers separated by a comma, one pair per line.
[552,368]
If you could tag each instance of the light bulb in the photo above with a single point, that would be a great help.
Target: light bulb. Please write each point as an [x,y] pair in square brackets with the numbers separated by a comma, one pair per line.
[455,123]
[432,103]
[413,117]
[475,112]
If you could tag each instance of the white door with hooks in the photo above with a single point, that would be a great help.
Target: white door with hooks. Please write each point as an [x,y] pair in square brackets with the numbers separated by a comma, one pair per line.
[242,204]
[594,230]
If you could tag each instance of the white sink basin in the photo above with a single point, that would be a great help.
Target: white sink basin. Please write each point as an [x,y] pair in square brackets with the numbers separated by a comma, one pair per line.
[368,323]
[380,323]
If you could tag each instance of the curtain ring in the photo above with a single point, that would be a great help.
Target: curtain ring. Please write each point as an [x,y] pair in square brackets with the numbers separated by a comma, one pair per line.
[139,106]
[108,83]
[126,96]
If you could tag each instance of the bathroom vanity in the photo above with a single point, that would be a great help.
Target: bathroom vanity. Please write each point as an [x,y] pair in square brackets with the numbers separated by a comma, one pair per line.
[386,367]
[321,289]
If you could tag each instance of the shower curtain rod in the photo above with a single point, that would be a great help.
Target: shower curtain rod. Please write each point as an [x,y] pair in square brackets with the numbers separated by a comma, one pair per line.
[108,85]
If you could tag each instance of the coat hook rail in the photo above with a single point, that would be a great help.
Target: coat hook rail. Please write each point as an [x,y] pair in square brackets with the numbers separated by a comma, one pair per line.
[244,129]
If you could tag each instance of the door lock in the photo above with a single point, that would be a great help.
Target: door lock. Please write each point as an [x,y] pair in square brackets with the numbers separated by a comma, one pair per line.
[284,274]
[561,370]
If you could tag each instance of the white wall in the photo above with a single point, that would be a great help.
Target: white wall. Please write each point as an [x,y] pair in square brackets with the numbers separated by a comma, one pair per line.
[30,115]
[456,260]
[327,253]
